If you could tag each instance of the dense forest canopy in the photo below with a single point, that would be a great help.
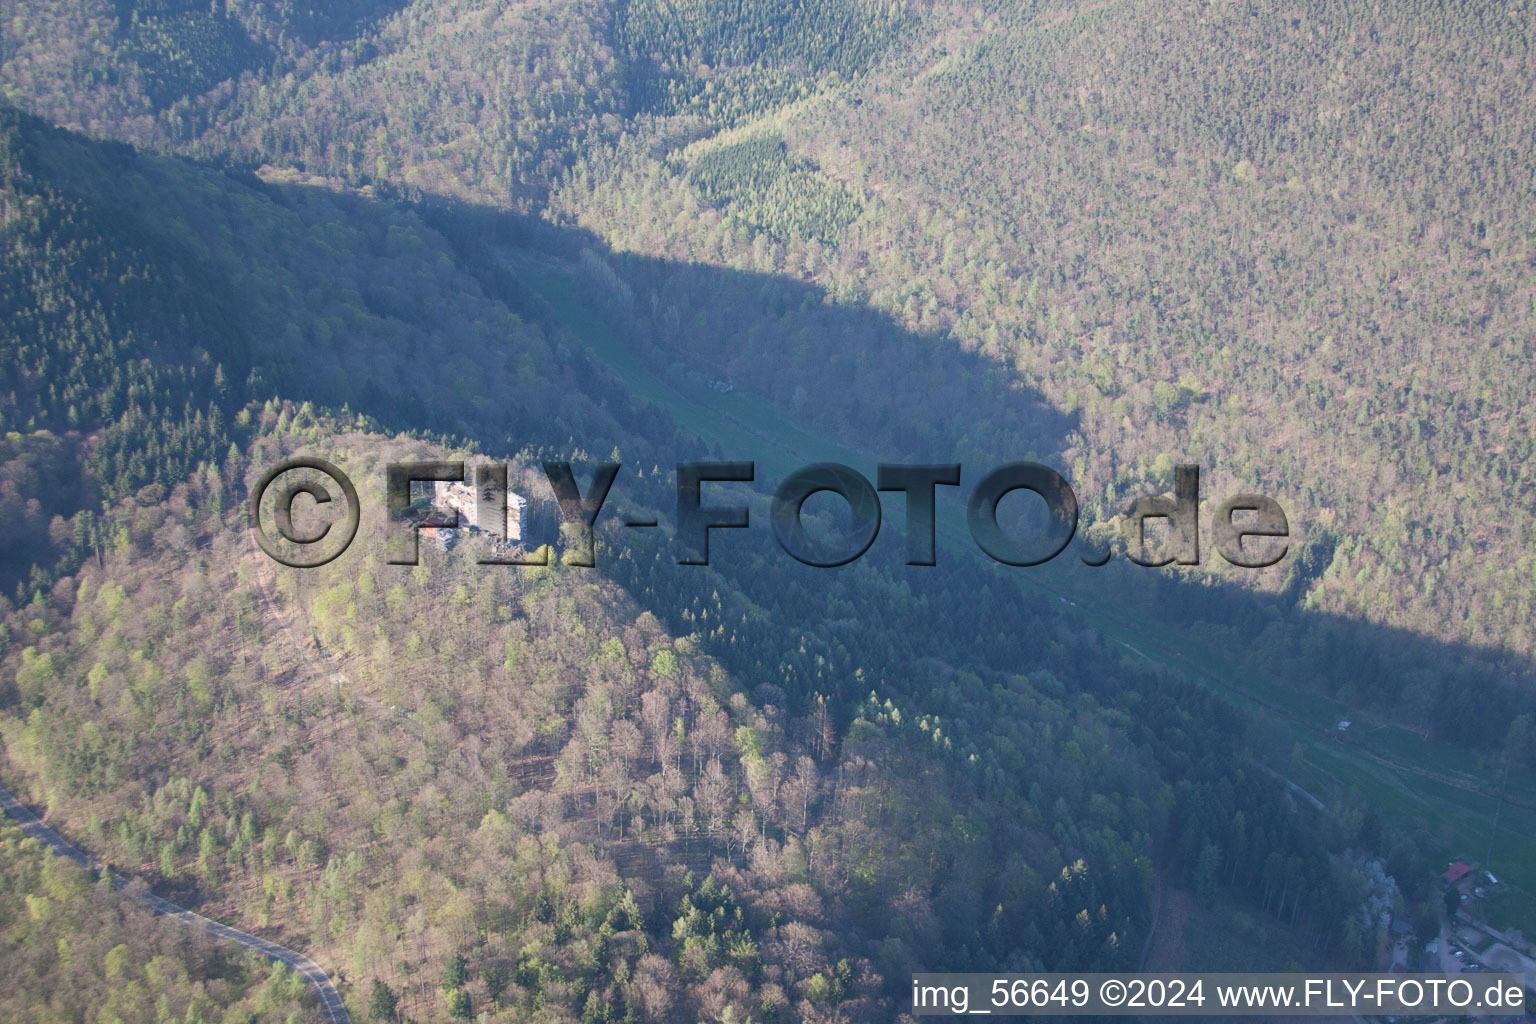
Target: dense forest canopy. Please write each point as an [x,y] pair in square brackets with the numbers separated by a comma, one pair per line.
[74,950]
[1291,245]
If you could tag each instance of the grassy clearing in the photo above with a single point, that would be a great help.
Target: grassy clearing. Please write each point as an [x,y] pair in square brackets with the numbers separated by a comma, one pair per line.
[1510,908]
[1462,822]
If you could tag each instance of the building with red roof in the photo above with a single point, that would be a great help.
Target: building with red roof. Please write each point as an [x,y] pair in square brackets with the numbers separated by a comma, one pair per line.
[1456,872]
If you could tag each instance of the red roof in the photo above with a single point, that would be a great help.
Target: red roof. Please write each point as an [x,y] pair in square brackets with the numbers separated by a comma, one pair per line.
[1456,872]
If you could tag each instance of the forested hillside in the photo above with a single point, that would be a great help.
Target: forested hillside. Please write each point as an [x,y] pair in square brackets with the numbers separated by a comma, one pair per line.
[1291,245]
[75,951]
[1307,268]
[536,797]
[588,775]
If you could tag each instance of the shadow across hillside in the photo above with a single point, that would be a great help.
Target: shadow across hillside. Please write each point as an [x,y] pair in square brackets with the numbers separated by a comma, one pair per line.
[404,317]
[472,325]
[1443,720]
[859,382]
[718,363]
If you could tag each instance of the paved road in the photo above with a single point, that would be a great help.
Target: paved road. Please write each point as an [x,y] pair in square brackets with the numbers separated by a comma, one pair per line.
[330,999]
